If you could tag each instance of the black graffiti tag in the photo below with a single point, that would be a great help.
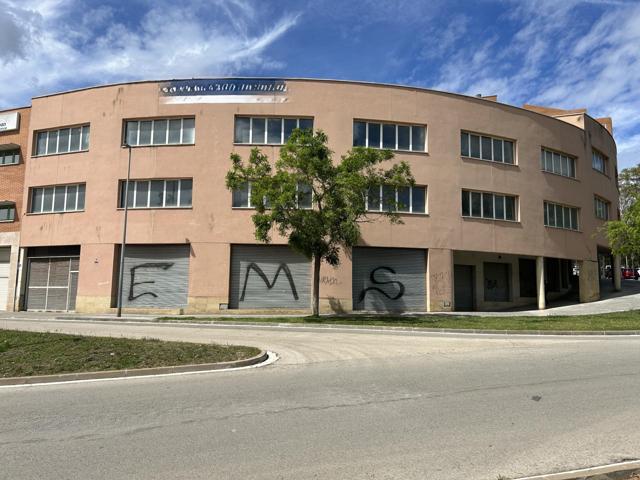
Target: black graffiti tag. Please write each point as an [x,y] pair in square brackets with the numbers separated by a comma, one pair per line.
[373,279]
[281,268]
[133,283]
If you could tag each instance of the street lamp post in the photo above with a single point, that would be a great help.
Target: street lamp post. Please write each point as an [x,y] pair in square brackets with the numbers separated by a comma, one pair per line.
[124,233]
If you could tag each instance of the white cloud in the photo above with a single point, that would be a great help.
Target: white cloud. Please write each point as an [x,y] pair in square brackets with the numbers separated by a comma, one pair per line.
[49,50]
[559,56]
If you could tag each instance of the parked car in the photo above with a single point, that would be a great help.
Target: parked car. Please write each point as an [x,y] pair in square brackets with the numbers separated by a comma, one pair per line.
[629,273]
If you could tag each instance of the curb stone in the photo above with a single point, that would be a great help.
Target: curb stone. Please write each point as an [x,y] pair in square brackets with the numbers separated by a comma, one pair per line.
[320,326]
[614,471]
[134,372]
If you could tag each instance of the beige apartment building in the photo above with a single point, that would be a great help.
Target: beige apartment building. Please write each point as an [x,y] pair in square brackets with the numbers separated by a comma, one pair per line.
[505,212]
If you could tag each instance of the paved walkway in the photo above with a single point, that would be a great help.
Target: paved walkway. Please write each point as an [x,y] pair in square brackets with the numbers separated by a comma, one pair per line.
[612,301]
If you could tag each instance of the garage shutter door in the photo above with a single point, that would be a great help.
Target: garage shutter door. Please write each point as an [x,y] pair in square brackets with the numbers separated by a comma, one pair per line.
[5,254]
[269,276]
[48,284]
[156,276]
[389,279]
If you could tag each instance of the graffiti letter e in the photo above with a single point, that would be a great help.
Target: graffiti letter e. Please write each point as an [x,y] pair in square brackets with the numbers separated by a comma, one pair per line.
[133,283]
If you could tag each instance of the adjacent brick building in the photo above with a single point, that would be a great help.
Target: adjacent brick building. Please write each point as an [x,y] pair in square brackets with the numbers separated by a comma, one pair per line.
[14,134]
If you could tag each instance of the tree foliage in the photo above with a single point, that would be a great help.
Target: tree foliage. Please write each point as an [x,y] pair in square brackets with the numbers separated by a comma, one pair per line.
[624,234]
[338,194]
[629,184]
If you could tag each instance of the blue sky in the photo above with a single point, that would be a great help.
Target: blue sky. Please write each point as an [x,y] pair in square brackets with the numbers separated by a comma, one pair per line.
[562,53]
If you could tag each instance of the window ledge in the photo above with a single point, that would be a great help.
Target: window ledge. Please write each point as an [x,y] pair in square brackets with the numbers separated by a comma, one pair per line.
[411,214]
[492,220]
[7,221]
[575,179]
[601,173]
[9,164]
[396,150]
[156,208]
[54,213]
[493,162]
[162,145]
[564,229]
[60,153]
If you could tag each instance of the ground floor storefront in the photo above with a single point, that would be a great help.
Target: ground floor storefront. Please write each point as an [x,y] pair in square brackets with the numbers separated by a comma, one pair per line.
[213,277]
[9,261]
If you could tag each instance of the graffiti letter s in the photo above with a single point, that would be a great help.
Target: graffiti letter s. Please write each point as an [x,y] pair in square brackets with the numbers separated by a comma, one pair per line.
[373,279]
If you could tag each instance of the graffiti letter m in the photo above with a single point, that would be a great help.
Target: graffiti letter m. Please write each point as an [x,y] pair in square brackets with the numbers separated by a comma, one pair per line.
[281,268]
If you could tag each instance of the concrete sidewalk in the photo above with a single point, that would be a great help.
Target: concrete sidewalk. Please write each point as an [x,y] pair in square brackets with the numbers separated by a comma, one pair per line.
[612,301]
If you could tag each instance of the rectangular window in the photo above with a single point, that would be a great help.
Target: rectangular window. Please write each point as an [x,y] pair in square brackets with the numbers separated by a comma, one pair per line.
[7,212]
[9,157]
[58,198]
[486,148]
[601,208]
[390,136]
[464,144]
[272,131]
[600,162]
[558,163]
[488,205]
[161,131]
[158,193]
[560,216]
[64,140]
[305,196]
[242,197]
[381,198]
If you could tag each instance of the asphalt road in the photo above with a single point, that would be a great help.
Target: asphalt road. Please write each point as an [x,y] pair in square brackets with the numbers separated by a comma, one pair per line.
[337,405]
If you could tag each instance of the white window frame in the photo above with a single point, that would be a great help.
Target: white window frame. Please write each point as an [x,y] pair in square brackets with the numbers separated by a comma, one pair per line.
[40,210]
[516,206]
[514,154]
[266,128]
[57,130]
[132,188]
[570,161]
[595,153]
[547,205]
[14,153]
[166,137]
[251,207]
[602,208]
[396,125]
[8,206]
[410,211]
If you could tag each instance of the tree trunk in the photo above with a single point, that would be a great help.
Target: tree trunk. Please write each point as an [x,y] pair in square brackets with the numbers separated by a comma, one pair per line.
[315,305]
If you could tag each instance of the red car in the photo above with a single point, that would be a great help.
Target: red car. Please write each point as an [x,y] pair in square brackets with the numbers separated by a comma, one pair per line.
[629,274]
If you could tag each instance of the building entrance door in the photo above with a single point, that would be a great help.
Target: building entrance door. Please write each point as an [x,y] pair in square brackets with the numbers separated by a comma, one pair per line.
[463,278]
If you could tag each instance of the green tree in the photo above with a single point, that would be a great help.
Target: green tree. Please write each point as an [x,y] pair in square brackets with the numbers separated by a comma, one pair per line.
[629,184]
[318,205]
[624,234]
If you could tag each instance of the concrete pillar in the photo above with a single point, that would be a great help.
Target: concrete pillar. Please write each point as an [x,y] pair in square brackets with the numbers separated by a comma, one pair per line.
[542,302]
[589,280]
[617,274]
[440,280]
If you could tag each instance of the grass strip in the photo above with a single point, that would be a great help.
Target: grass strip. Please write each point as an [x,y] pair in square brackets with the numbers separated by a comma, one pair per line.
[34,353]
[629,320]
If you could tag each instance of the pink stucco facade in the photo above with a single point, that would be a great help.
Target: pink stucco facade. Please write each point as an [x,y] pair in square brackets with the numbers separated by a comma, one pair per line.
[211,226]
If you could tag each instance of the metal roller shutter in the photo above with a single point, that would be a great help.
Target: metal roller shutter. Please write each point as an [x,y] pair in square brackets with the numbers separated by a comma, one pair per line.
[156,276]
[389,279]
[52,283]
[269,276]
[5,255]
